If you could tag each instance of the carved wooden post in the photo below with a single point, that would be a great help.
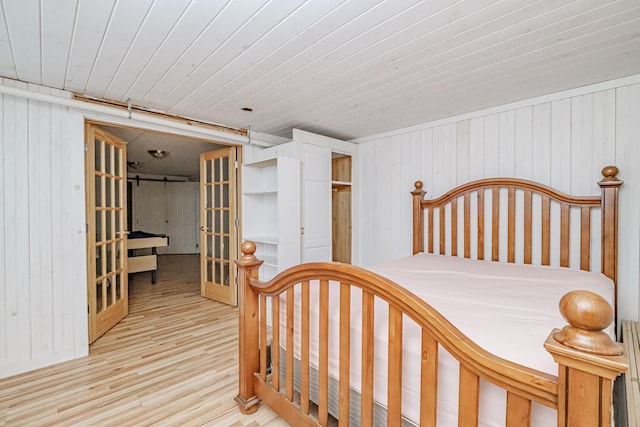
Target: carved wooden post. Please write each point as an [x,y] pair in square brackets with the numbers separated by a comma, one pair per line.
[248,269]
[418,218]
[610,185]
[588,360]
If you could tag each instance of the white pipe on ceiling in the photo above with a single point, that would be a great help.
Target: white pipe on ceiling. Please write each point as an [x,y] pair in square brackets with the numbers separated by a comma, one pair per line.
[119,114]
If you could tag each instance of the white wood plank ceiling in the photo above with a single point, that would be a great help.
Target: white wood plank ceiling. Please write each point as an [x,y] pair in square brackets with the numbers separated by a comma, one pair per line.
[343,68]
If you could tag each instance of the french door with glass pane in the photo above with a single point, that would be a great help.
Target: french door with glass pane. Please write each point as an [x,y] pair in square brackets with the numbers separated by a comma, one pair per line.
[105,175]
[218,234]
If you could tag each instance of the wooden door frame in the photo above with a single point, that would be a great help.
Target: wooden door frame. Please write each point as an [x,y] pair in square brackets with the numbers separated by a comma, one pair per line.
[239,147]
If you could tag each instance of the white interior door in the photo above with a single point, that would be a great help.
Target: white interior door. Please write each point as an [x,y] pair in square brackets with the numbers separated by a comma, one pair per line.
[316,204]
[181,215]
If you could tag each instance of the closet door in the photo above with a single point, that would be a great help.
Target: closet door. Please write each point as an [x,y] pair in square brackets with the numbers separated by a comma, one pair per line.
[316,203]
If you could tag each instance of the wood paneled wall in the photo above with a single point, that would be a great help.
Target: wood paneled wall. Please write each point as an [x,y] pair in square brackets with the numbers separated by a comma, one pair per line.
[43,295]
[562,141]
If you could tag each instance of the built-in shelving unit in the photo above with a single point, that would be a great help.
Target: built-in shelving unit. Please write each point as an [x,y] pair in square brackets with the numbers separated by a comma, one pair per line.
[271,212]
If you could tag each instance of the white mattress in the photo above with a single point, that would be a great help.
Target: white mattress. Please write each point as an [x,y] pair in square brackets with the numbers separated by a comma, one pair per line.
[485,300]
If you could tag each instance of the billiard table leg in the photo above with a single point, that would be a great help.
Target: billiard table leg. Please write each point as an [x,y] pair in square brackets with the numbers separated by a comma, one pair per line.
[154,271]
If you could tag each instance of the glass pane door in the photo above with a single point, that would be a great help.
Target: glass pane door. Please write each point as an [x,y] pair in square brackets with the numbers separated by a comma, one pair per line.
[106,238]
[217,234]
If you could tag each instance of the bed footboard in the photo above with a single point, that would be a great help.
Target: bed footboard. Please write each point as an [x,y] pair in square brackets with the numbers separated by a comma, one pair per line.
[588,361]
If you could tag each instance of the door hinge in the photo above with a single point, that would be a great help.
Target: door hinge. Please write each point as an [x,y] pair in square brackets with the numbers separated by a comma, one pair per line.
[236,222]
[86,147]
[236,164]
[301,230]
[88,309]
[86,227]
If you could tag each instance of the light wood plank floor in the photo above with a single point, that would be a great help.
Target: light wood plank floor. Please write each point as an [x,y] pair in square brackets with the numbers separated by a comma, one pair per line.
[172,361]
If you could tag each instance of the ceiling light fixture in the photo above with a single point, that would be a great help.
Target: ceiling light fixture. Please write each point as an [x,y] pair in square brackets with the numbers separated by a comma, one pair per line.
[158,154]
[135,164]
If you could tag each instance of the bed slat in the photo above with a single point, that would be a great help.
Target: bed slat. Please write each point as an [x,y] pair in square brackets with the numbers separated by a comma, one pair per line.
[323,368]
[442,235]
[585,239]
[468,397]
[289,345]
[454,227]
[564,235]
[304,348]
[429,381]
[527,226]
[366,399]
[394,396]
[430,227]
[467,225]
[518,411]
[495,224]
[263,337]
[511,225]
[275,346]
[345,354]
[546,231]
[481,223]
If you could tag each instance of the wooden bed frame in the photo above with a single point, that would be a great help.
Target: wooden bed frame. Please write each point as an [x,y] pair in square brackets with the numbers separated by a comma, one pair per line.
[588,360]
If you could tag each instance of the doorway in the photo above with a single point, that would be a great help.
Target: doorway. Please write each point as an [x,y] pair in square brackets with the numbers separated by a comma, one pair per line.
[162,197]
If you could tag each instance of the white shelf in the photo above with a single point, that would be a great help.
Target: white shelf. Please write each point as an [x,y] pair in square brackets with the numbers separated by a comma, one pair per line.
[261,193]
[271,215]
[271,261]
[268,240]
[263,163]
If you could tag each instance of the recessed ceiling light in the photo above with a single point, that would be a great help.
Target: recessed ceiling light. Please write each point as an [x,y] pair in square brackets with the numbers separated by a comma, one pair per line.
[247,109]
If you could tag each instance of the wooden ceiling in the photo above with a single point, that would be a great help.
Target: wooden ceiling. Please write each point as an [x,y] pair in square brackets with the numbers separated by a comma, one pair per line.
[342,68]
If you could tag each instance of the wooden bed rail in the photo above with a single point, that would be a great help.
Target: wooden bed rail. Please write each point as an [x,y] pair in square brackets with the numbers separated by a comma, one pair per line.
[581,393]
[446,207]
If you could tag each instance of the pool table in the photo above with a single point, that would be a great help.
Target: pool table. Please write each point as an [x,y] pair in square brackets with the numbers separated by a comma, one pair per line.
[144,240]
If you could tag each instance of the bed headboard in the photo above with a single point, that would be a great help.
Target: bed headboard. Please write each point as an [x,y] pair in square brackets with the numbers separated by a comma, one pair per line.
[533,211]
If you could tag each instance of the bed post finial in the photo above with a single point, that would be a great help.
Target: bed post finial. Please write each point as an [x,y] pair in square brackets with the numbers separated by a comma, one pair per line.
[588,360]
[609,173]
[418,218]
[248,269]
[588,315]
[248,249]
